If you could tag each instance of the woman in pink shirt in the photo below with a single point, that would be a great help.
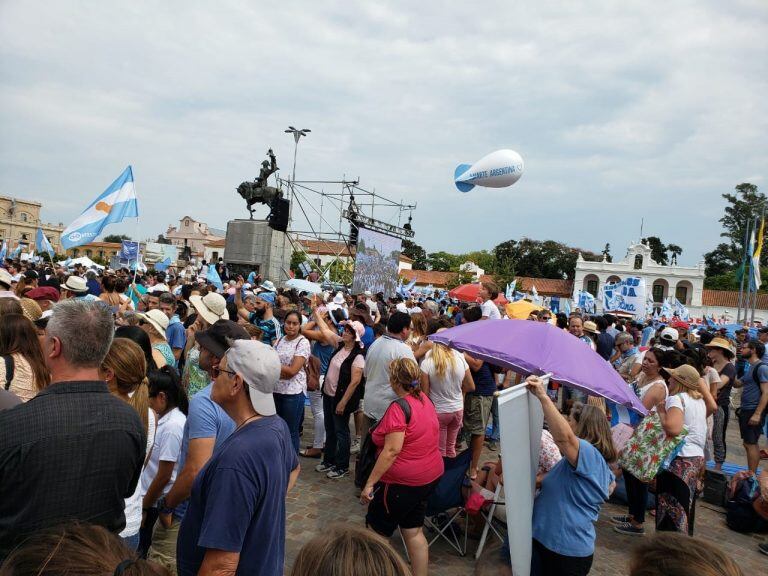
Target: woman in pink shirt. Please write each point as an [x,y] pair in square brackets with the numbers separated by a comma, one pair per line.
[409,464]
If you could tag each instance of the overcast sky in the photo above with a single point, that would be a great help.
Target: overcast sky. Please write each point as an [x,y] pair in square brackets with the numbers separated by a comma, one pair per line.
[621,110]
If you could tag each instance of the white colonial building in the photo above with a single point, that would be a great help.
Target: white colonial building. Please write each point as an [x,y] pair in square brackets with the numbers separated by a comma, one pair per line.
[686,283]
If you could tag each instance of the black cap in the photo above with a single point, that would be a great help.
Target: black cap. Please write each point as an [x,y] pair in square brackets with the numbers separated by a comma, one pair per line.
[31,274]
[763,330]
[215,338]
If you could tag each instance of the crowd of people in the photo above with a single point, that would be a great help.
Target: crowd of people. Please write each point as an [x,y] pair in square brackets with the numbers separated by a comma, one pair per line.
[163,418]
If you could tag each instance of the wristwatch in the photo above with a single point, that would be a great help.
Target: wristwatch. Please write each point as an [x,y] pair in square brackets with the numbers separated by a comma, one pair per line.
[162,508]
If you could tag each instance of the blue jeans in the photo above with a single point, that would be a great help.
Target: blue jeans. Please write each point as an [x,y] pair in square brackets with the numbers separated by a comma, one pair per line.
[132,541]
[290,407]
[337,438]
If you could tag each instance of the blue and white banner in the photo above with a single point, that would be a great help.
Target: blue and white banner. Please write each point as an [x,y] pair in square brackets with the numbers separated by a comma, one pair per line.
[163,266]
[666,309]
[129,250]
[16,252]
[681,311]
[3,252]
[42,244]
[535,294]
[554,304]
[586,302]
[115,204]
[627,295]
[509,294]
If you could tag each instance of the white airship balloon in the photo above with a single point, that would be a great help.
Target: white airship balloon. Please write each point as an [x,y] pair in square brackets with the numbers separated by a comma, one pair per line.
[496,170]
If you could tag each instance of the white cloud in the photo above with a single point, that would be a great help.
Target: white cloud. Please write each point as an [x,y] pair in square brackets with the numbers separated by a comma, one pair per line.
[620,111]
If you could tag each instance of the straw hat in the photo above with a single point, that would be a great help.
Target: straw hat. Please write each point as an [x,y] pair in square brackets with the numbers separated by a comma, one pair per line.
[590,326]
[76,284]
[31,309]
[724,344]
[157,319]
[686,375]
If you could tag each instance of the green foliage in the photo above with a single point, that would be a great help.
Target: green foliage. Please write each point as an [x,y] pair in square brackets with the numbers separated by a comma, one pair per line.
[115,238]
[416,253]
[730,280]
[341,272]
[658,249]
[444,262]
[743,208]
[536,258]
[297,258]
[607,253]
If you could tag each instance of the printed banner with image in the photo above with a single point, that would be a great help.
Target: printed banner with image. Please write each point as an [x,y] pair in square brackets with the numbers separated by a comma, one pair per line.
[376,263]
[627,295]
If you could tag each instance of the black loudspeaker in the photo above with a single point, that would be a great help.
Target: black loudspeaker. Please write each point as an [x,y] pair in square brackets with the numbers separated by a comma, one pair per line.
[353,233]
[278,216]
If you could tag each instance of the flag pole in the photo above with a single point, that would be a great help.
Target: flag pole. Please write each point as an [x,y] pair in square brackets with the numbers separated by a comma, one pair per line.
[756,274]
[743,274]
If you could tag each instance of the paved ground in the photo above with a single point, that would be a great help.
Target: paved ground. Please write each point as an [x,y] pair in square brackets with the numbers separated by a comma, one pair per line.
[317,501]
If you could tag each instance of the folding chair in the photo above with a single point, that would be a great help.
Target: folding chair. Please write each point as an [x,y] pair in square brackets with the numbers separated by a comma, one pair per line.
[448,499]
[488,518]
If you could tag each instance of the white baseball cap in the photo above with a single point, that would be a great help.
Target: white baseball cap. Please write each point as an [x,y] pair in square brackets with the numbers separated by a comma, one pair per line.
[259,366]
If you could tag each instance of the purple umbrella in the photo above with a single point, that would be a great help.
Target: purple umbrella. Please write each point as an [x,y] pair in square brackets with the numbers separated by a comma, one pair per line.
[537,348]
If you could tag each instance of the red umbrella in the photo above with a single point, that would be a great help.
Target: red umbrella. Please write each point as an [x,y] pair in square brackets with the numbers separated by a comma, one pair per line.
[469,293]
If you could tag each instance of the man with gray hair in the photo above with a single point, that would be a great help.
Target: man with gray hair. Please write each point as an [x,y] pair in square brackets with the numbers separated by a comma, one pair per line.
[74,451]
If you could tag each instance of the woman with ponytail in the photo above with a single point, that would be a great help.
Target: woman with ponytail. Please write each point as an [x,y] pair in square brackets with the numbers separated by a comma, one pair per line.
[409,464]
[124,369]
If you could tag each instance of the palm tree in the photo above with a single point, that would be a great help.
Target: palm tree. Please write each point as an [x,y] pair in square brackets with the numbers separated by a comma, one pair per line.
[675,251]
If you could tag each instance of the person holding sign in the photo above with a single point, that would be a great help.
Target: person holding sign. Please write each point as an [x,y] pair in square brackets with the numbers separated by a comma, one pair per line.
[573,491]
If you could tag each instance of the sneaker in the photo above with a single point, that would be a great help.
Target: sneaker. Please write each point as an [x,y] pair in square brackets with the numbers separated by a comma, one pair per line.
[323,467]
[763,548]
[621,519]
[629,530]
[354,448]
[336,473]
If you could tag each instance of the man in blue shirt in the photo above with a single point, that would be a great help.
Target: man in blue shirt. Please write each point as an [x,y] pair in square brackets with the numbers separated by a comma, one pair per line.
[754,400]
[176,334]
[235,523]
[206,428]
[648,333]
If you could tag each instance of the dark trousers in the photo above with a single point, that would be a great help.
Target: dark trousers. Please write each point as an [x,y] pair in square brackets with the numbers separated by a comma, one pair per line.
[290,407]
[145,532]
[544,562]
[337,439]
[637,496]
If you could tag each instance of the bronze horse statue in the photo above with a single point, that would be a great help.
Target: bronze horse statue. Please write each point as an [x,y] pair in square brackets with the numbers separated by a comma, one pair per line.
[257,192]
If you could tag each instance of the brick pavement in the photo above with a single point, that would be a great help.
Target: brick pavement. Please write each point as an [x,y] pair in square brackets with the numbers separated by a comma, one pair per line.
[317,501]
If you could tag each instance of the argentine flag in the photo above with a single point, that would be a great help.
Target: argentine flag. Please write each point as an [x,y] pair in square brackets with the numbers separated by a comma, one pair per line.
[114,205]
[42,244]
[3,252]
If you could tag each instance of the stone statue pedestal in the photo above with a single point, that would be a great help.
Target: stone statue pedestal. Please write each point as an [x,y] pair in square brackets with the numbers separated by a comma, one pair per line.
[253,245]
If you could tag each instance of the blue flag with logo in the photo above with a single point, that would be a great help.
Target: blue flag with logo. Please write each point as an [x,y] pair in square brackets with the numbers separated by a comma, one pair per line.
[163,266]
[129,250]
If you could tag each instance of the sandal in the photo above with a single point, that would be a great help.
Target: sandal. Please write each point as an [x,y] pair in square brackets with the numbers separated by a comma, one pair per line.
[311,453]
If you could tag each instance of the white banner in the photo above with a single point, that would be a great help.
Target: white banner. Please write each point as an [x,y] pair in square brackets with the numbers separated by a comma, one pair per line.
[627,295]
[521,421]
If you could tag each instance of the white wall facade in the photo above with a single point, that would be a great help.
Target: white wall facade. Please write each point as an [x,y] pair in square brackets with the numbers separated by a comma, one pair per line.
[638,262]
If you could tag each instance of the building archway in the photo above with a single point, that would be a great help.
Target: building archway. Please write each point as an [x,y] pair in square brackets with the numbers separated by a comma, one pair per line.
[660,290]
[612,279]
[684,292]
[591,284]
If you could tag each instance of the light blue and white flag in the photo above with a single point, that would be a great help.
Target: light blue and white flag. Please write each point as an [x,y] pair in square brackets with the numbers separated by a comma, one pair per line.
[115,204]
[163,266]
[681,311]
[567,306]
[3,251]
[666,309]
[16,252]
[42,244]
[213,277]
[535,295]
[509,294]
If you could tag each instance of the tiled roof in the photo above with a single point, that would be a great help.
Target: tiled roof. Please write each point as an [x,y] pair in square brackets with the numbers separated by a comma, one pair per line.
[216,243]
[325,247]
[426,277]
[728,298]
[545,286]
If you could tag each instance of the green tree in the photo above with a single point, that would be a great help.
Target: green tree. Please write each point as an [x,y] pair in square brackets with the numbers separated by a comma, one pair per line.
[297,257]
[115,238]
[416,253]
[483,258]
[674,251]
[743,208]
[443,261]
[536,258]
[607,253]
[658,249]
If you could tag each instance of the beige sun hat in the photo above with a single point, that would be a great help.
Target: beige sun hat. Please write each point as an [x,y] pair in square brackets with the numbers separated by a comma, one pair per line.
[211,307]
[157,319]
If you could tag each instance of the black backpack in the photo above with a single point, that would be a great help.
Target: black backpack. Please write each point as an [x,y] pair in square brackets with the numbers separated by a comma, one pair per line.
[366,459]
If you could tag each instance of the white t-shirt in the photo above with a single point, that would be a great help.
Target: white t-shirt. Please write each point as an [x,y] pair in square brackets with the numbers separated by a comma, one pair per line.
[695,414]
[170,429]
[133,503]
[489,309]
[445,392]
